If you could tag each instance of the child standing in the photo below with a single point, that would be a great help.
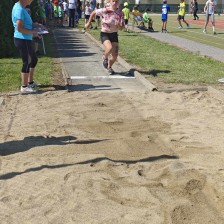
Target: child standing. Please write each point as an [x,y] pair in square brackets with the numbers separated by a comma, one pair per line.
[56,15]
[126,12]
[181,14]
[209,10]
[65,10]
[165,10]
[60,14]
[88,11]
[97,18]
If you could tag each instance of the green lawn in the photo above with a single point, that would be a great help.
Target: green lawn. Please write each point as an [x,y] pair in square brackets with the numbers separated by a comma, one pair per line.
[10,68]
[170,63]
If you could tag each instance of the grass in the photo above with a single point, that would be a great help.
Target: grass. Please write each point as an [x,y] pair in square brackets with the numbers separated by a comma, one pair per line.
[10,68]
[150,56]
[161,60]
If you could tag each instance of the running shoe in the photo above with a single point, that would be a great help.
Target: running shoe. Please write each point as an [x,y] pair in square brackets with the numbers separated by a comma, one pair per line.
[110,71]
[105,62]
[204,31]
[180,27]
[188,26]
[34,84]
[221,80]
[27,89]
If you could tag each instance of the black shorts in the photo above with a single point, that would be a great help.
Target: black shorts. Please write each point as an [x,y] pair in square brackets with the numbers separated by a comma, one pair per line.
[87,16]
[180,17]
[112,37]
[97,17]
[126,21]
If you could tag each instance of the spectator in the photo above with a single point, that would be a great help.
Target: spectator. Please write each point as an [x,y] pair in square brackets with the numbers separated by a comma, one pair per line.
[195,9]
[72,5]
[79,9]
[24,30]
[88,11]
[147,19]
[165,11]
[42,13]
[126,12]
[209,10]
[60,14]
[136,16]
[56,13]
[65,10]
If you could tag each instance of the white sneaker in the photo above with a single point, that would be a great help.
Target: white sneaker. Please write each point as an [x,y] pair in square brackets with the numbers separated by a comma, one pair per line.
[34,85]
[204,31]
[27,89]
[180,27]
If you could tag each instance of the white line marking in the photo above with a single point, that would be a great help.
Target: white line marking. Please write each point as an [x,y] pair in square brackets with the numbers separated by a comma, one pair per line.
[103,77]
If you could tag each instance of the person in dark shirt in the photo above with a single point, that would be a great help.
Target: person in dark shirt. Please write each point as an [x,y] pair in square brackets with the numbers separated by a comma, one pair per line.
[195,9]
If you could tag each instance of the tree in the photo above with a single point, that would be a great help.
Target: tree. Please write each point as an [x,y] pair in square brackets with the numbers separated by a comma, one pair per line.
[7,48]
[6,28]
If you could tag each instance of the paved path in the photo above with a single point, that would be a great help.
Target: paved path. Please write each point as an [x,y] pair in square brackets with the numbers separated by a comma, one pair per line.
[81,59]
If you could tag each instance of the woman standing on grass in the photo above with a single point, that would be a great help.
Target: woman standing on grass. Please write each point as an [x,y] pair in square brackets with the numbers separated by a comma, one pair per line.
[23,34]
[112,21]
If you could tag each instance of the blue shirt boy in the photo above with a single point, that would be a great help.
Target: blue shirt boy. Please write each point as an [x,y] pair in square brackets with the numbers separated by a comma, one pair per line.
[165,10]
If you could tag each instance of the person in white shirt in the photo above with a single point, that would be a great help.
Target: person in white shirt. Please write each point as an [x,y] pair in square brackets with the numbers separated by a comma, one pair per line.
[209,10]
[71,12]
[65,9]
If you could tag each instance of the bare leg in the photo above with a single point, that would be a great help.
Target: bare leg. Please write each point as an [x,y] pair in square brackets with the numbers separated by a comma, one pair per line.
[185,22]
[165,25]
[30,76]
[24,77]
[114,54]
[107,48]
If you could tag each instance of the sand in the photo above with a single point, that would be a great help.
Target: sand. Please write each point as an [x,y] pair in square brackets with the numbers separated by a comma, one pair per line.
[105,157]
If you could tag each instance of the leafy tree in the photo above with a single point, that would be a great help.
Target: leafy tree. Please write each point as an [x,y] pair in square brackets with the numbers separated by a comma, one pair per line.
[6,29]
[7,48]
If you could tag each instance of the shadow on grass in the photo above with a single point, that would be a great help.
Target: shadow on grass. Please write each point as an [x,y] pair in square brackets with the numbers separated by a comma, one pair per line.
[178,31]
[195,28]
[153,72]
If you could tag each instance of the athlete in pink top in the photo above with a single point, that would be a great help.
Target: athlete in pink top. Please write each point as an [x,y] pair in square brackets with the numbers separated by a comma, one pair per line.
[112,21]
